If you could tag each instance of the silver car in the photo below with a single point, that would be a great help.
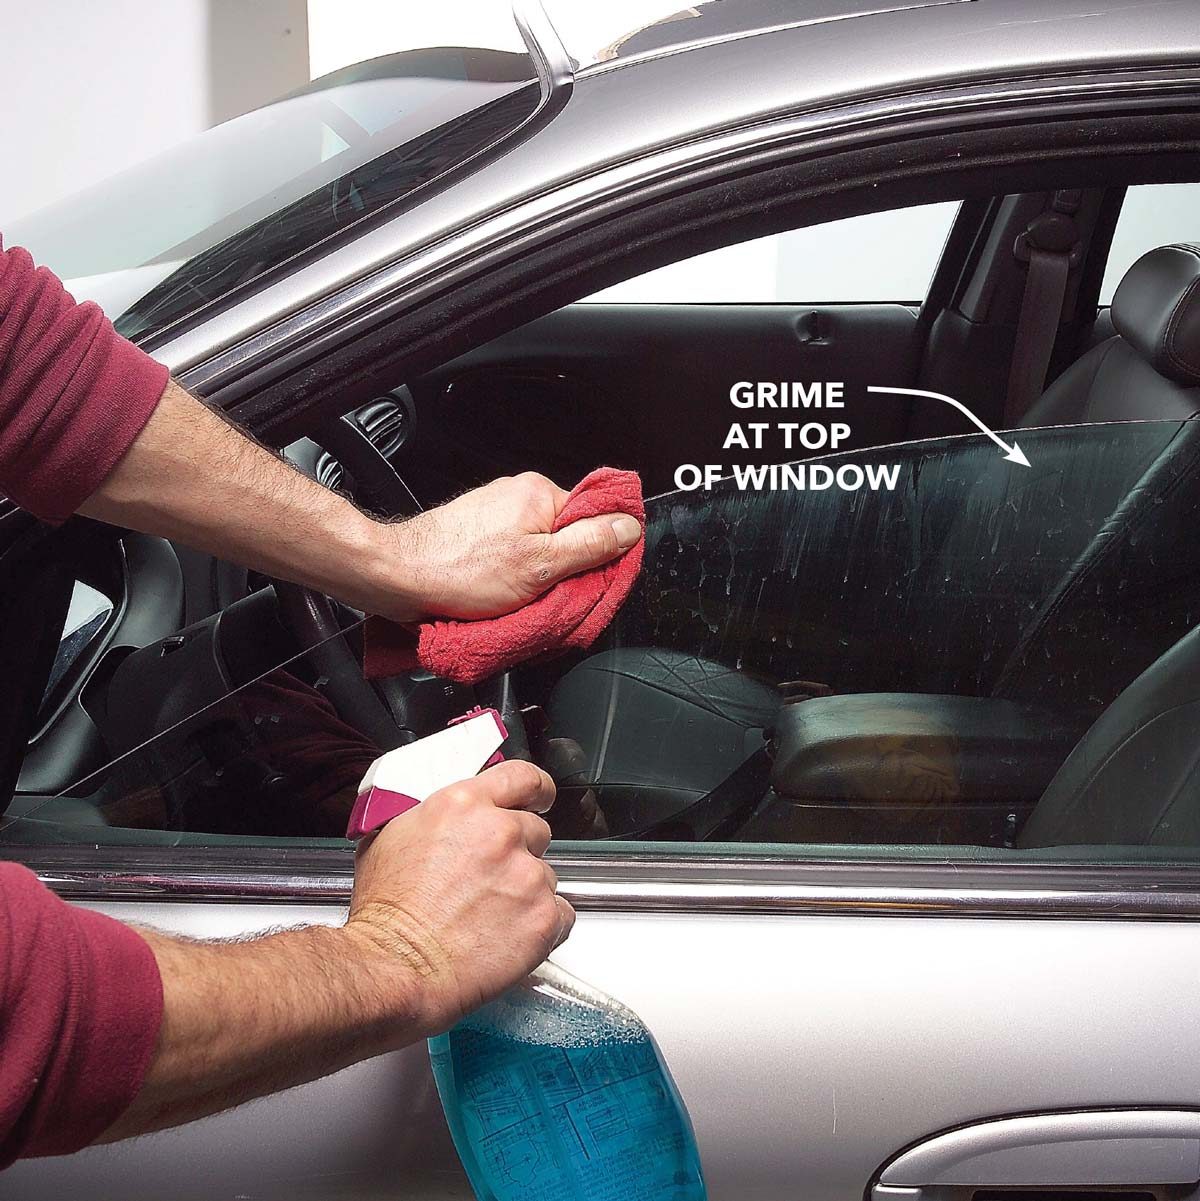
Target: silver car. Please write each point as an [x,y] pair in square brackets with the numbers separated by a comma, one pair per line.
[896,747]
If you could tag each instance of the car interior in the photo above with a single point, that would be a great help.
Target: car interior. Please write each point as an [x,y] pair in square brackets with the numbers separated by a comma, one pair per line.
[986,659]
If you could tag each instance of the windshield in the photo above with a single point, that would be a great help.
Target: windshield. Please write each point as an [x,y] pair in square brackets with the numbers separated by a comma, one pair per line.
[187,228]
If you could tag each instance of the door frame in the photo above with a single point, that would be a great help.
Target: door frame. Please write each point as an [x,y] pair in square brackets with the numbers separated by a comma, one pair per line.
[657,879]
[510,269]
[434,303]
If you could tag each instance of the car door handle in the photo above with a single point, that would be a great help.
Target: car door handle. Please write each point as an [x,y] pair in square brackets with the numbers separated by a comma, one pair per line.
[1144,1151]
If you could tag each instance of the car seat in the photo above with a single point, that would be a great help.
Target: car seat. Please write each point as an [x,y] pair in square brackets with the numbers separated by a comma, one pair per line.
[1134,777]
[1150,369]
[660,728]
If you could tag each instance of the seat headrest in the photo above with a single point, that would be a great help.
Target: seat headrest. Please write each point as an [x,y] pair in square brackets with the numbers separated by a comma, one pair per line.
[1157,311]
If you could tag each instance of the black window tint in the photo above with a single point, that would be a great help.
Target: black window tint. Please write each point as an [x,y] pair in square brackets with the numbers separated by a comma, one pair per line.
[807,672]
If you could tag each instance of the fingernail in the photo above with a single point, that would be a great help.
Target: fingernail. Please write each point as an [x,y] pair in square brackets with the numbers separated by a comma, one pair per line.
[628,530]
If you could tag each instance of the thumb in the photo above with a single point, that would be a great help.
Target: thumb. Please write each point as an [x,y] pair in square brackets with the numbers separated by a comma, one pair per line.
[592,541]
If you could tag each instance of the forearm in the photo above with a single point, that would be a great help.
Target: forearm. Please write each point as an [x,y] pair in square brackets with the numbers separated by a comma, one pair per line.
[193,477]
[451,906]
[245,1019]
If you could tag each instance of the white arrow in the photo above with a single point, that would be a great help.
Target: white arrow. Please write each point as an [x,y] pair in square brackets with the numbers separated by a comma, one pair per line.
[1013,453]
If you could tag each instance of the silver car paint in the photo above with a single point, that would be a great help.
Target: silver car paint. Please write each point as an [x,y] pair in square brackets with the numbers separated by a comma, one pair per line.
[711,21]
[810,1049]
[630,122]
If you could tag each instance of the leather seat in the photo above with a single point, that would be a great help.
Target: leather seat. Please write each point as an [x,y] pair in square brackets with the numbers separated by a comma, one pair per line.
[1151,369]
[1134,777]
[660,728]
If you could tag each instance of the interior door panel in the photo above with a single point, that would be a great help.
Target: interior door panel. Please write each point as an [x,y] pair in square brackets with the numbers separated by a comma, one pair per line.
[646,386]
[811,1050]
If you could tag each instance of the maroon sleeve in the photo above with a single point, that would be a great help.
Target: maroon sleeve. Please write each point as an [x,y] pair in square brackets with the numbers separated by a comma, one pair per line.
[80,1009]
[74,394]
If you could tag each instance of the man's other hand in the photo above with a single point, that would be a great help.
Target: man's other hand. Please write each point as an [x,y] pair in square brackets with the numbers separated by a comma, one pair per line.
[491,551]
[452,905]
[453,902]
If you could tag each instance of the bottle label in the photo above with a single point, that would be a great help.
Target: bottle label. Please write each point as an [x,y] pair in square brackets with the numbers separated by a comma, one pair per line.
[592,1121]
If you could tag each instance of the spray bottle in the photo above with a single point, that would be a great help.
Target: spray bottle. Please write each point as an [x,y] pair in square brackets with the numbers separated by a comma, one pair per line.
[554,1090]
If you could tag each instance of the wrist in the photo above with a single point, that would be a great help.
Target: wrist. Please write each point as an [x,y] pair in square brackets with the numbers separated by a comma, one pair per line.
[365,563]
[391,577]
[391,981]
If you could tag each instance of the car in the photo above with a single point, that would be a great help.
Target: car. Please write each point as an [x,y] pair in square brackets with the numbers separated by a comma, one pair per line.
[898,779]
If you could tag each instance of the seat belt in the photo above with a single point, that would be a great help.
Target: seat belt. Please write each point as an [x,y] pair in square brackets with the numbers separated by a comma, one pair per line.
[1051,247]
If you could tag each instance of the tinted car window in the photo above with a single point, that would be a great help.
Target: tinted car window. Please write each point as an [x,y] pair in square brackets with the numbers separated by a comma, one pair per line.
[908,664]
[801,669]
[264,759]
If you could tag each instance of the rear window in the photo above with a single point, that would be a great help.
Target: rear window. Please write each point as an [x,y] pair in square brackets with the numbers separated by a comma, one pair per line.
[1152,215]
[190,227]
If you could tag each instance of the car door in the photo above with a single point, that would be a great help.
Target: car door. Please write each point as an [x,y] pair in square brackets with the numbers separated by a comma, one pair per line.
[828,1006]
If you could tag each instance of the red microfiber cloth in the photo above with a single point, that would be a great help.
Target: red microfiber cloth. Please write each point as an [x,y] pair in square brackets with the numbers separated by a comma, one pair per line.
[570,616]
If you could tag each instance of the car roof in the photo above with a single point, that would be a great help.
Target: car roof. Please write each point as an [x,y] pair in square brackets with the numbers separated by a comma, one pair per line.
[711,21]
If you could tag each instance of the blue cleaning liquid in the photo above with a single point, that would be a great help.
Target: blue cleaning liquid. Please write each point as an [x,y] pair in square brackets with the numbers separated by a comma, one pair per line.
[558,1093]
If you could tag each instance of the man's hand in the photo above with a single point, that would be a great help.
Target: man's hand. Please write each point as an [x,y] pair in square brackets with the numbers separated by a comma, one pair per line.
[491,551]
[192,476]
[457,893]
[452,905]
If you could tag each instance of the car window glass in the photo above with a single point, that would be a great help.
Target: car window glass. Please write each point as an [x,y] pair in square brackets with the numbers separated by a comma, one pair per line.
[87,616]
[193,759]
[88,625]
[879,257]
[1152,215]
[886,651]
[829,663]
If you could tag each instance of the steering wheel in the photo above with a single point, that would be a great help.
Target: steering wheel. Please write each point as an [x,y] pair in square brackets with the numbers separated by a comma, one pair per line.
[395,711]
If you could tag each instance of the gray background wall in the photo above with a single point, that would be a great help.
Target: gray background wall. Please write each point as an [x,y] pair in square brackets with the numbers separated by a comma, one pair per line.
[89,87]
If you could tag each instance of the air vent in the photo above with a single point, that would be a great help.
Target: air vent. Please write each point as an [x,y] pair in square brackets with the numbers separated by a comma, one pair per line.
[329,472]
[386,425]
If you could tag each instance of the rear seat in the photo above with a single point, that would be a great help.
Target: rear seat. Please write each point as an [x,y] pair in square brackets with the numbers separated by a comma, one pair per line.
[1151,369]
